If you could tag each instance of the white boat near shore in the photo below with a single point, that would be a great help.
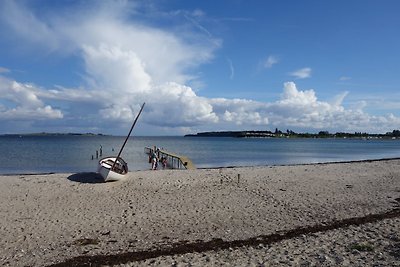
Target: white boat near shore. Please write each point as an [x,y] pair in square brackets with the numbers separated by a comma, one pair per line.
[115,168]
[112,169]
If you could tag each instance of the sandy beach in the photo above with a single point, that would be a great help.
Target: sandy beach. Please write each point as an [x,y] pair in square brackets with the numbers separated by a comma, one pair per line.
[339,214]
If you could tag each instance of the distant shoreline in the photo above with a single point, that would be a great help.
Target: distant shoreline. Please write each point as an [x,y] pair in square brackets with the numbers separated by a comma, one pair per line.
[54,134]
[395,134]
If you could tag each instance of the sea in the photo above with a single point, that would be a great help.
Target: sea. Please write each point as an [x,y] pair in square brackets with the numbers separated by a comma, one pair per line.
[74,154]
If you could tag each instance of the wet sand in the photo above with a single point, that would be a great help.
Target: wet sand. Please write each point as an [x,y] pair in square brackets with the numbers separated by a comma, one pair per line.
[344,214]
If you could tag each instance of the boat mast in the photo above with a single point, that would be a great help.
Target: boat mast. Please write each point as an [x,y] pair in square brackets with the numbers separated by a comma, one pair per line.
[126,139]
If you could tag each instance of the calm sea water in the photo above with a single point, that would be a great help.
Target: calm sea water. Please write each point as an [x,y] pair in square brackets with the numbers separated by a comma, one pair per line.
[38,154]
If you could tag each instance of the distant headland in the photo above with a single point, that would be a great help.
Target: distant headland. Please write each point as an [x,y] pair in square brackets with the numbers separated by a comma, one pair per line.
[291,134]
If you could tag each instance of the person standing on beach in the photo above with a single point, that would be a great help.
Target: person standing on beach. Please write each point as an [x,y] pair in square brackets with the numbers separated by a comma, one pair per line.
[154,160]
[164,162]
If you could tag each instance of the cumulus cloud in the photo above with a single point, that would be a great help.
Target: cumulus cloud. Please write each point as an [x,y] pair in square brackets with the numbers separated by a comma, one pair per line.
[178,105]
[301,73]
[239,111]
[21,102]
[117,70]
[295,108]
[125,62]
[300,109]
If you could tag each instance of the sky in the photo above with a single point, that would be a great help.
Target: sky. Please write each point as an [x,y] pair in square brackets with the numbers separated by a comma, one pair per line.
[307,66]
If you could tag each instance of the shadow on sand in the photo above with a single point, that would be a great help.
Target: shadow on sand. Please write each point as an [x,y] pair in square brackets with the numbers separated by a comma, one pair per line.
[86,178]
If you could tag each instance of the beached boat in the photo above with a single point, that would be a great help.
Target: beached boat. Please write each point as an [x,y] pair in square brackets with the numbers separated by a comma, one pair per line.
[118,172]
[115,168]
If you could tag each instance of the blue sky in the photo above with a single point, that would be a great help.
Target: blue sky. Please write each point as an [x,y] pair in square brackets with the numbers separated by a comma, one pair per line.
[86,66]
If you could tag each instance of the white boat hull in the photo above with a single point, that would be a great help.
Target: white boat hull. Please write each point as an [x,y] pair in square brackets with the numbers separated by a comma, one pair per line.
[117,174]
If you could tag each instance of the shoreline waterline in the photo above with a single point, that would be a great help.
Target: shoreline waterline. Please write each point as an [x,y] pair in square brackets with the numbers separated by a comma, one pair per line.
[213,168]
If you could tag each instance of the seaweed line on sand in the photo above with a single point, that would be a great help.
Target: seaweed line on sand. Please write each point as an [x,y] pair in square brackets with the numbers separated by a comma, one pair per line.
[184,247]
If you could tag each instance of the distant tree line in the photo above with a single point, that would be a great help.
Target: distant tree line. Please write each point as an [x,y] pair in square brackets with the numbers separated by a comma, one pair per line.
[291,134]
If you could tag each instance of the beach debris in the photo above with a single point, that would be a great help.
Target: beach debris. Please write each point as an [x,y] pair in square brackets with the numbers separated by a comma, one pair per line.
[362,247]
[105,232]
[86,241]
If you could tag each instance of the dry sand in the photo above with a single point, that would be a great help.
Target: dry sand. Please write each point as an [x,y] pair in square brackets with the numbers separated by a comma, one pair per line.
[343,214]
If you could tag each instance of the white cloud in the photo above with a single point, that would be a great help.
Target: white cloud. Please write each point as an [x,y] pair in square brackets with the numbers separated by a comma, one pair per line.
[270,61]
[126,63]
[301,73]
[239,111]
[176,105]
[23,23]
[111,68]
[292,96]
[23,102]
[344,78]
[300,110]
